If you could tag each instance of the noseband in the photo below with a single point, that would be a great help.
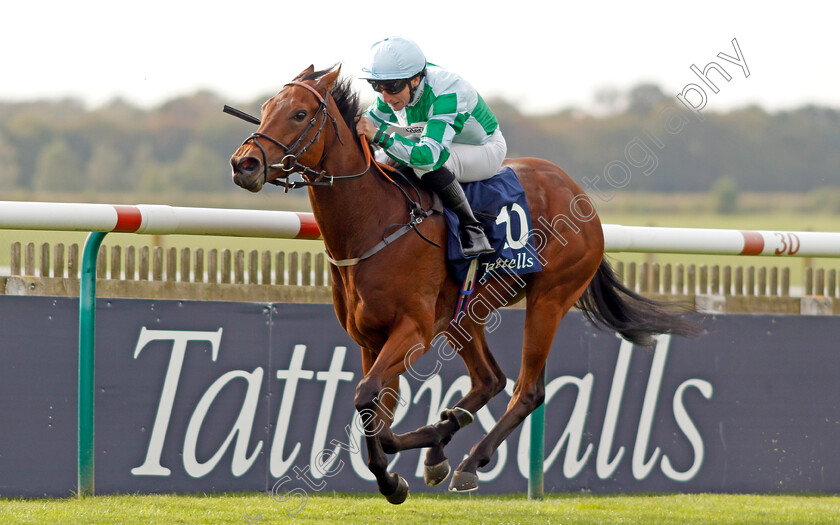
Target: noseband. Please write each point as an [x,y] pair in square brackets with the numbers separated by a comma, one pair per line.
[289,163]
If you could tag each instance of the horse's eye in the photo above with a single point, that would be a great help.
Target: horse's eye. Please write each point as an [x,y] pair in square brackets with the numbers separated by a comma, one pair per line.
[300,115]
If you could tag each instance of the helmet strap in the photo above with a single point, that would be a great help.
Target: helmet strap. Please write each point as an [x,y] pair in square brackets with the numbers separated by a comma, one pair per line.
[411,89]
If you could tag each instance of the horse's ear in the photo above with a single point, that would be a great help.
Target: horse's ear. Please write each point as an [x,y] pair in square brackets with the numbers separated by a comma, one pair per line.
[327,81]
[310,69]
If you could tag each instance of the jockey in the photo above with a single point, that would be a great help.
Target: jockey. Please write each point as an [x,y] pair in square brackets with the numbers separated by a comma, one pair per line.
[433,121]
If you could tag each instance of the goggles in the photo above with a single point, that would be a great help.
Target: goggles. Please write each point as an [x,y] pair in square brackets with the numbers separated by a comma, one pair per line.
[392,87]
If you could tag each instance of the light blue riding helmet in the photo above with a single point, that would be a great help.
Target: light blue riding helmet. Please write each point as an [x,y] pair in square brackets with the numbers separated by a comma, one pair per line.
[394,58]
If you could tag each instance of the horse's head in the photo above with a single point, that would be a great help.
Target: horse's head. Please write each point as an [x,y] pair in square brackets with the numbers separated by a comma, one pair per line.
[290,135]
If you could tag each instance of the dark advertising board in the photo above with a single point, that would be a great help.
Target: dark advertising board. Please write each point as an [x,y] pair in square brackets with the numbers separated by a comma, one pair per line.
[212,396]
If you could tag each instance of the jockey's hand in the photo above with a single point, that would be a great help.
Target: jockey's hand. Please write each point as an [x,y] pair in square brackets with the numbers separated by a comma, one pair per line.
[365,127]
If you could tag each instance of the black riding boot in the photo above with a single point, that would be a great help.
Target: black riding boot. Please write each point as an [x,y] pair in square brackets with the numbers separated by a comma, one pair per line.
[473,240]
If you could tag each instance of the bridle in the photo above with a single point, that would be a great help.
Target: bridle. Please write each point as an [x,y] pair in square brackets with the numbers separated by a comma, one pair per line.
[289,163]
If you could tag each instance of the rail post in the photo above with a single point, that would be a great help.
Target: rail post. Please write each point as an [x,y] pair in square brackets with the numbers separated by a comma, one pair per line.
[536,473]
[87,336]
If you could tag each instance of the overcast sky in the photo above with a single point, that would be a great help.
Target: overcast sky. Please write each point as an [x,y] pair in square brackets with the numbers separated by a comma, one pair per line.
[540,55]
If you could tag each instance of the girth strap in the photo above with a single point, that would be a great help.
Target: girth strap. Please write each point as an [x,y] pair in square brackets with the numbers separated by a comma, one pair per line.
[405,228]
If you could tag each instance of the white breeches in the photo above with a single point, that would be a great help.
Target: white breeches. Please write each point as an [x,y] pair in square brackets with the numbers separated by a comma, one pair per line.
[470,162]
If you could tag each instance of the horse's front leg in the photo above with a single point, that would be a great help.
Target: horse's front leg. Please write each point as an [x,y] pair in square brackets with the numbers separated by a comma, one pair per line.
[376,396]
[487,381]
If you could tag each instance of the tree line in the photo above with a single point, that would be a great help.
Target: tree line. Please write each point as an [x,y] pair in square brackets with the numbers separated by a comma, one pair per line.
[184,144]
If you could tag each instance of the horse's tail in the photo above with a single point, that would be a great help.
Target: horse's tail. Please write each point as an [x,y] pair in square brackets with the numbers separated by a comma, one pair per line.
[608,303]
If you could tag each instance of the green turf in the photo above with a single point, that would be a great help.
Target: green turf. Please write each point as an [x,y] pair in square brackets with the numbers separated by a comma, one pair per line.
[443,508]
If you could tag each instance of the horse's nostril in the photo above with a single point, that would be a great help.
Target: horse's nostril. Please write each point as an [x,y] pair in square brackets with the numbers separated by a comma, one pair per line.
[247,165]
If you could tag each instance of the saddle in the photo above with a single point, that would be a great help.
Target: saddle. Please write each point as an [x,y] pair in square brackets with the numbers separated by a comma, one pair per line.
[499,204]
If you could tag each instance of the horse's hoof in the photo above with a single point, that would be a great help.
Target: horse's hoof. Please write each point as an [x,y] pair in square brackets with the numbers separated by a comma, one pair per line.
[463,482]
[400,494]
[434,475]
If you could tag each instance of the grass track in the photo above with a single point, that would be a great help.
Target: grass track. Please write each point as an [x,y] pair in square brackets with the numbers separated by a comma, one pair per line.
[444,508]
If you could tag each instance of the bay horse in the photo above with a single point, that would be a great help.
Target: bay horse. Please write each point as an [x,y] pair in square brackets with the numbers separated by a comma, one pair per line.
[395,301]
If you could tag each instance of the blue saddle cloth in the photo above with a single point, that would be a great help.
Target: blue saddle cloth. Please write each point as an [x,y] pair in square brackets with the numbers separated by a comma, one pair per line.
[499,204]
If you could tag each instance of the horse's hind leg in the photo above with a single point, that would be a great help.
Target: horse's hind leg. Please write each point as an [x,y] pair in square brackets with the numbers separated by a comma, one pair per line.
[487,380]
[545,309]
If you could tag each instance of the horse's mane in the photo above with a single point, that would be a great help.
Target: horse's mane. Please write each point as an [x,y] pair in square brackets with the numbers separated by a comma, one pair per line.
[345,98]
